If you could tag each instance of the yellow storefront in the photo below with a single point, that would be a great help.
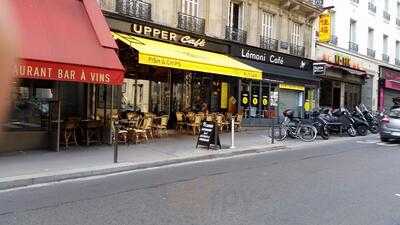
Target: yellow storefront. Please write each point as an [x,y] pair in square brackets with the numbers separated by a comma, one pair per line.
[167,78]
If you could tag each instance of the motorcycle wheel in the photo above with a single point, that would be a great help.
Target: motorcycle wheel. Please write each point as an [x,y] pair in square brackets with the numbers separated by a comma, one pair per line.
[308,133]
[279,133]
[351,131]
[324,132]
[374,129]
[362,130]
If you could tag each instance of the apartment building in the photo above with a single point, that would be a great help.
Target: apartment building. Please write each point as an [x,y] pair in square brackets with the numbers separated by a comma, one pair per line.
[365,37]
[276,37]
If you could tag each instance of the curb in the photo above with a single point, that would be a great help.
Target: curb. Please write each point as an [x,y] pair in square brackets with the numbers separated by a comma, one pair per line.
[48,177]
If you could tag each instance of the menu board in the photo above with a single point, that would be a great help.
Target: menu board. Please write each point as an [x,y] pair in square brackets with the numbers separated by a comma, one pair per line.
[208,135]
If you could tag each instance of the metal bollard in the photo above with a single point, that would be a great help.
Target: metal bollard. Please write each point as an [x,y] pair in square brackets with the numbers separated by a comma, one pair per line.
[233,133]
[115,142]
[273,133]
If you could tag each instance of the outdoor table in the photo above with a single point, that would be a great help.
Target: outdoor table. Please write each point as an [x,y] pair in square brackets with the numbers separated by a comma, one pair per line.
[91,127]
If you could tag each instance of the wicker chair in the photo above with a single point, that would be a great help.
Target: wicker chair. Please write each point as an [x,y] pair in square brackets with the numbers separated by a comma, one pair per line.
[195,124]
[161,129]
[238,122]
[71,125]
[180,122]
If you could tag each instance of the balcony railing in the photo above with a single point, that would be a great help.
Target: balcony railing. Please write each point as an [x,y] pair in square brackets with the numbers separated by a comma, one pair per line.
[235,34]
[371,53]
[398,22]
[397,62]
[297,50]
[317,3]
[191,23]
[353,47]
[334,40]
[134,8]
[269,43]
[372,7]
[386,15]
[385,58]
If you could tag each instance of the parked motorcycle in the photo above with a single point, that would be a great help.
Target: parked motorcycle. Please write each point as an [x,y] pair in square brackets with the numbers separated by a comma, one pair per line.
[360,123]
[371,119]
[320,124]
[338,121]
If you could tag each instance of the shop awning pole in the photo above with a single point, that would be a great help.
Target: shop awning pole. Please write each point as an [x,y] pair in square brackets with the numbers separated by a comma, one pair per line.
[58,117]
[111,114]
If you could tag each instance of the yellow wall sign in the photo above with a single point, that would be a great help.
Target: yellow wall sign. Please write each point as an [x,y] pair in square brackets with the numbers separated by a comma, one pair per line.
[325,27]
[224,95]
[292,87]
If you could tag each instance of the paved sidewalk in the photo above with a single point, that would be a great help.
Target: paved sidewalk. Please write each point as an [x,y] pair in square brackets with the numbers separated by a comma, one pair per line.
[25,168]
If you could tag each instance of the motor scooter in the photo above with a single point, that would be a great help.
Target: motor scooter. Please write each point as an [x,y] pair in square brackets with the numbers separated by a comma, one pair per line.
[371,119]
[339,121]
[360,123]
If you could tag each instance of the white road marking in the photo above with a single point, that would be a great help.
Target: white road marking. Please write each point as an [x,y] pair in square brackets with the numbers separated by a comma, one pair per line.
[387,144]
[398,195]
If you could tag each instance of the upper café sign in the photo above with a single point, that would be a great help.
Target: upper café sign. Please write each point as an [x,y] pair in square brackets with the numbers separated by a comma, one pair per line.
[157,33]
[271,57]
[262,57]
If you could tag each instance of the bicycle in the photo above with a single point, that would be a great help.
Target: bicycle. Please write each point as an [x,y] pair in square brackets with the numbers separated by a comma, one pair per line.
[295,128]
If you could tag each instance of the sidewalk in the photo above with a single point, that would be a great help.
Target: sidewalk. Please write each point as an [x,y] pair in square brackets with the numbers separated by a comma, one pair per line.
[34,167]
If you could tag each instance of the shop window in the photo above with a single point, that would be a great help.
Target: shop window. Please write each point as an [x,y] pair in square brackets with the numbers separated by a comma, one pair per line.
[30,108]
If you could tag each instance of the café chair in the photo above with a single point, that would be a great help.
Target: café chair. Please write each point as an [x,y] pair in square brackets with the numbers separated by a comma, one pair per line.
[195,124]
[161,129]
[238,122]
[141,131]
[180,123]
[220,122]
[71,125]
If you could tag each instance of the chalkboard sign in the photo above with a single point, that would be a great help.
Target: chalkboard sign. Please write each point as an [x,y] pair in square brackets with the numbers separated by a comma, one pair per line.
[208,135]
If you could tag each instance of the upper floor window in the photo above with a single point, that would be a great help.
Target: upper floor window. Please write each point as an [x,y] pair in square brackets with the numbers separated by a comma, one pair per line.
[190,7]
[398,9]
[370,38]
[267,25]
[134,8]
[353,31]
[295,34]
[397,49]
[353,46]
[386,5]
[236,15]
[372,6]
[385,44]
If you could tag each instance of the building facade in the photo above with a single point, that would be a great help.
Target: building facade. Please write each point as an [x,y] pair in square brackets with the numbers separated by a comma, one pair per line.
[276,37]
[366,34]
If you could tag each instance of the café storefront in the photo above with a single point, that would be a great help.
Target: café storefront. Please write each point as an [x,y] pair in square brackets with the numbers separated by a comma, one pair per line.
[170,71]
[62,84]
[343,84]
[389,87]
[288,83]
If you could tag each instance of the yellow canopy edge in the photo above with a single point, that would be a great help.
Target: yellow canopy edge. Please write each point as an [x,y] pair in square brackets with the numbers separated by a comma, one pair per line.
[162,54]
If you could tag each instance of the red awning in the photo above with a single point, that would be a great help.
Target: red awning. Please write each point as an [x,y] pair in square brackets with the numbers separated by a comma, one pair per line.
[66,40]
[348,70]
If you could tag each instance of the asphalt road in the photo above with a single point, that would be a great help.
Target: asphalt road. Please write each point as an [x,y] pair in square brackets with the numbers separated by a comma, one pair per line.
[337,182]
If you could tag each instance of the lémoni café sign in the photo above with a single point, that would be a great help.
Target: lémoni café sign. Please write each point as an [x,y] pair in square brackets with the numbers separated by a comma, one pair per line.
[166,35]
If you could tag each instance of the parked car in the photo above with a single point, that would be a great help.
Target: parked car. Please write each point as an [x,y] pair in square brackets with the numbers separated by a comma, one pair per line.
[390,125]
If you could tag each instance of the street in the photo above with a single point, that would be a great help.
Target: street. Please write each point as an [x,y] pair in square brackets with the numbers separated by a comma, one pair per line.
[348,182]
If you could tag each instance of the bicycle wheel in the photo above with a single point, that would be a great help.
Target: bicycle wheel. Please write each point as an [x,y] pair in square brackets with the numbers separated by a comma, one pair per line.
[279,133]
[307,132]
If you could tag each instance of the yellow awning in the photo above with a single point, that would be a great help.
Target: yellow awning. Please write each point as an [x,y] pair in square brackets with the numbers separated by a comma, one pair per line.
[158,53]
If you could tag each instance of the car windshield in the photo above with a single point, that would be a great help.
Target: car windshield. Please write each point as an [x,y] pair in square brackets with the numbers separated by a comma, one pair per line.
[395,113]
